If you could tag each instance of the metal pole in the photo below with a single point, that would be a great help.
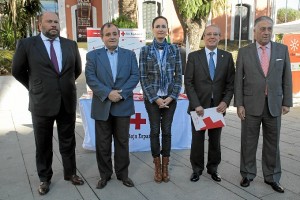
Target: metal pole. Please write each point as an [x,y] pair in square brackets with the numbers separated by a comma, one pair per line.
[274,12]
[254,17]
[240,31]
[226,25]
[285,16]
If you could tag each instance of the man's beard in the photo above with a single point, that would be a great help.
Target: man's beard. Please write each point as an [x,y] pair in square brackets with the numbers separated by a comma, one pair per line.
[48,34]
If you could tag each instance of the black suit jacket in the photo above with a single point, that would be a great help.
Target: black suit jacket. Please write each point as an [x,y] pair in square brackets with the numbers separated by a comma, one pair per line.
[33,68]
[198,84]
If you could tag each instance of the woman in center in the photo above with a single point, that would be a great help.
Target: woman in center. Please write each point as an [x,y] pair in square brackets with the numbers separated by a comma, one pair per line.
[161,80]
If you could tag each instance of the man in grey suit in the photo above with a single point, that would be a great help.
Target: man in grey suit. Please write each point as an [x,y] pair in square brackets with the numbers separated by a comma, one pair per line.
[112,74]
[263,91]
[209,80]
[48,65]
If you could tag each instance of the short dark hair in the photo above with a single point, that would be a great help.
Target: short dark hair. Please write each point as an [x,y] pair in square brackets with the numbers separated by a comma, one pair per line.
[262,18]
[108,25]
[159,17]
[40,17]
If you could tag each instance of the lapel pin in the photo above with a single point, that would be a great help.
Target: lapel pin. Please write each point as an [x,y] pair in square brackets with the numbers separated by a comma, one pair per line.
[222,56]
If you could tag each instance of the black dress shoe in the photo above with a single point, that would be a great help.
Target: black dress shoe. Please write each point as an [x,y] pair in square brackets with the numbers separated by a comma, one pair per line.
[44,187]
[102,183]
[245,182]
[76,180]
[127,182]
[215,176]
[195,177]
[276,186]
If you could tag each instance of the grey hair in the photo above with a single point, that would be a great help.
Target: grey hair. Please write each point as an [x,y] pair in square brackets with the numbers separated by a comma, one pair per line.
[212,25]
[262,18]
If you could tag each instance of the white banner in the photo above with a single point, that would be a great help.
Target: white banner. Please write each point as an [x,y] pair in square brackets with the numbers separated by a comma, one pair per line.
[139,133]
[132,39]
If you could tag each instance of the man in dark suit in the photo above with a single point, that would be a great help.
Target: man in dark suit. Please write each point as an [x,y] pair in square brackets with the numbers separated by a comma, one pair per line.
[50,80]
[112,74]
[263,91]
[208,79]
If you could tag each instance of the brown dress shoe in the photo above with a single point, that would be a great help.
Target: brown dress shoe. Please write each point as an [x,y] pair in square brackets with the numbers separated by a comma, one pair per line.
[44,187]
[76,180]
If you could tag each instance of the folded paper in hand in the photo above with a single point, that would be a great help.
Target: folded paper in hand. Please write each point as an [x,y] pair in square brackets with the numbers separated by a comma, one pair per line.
[211,119]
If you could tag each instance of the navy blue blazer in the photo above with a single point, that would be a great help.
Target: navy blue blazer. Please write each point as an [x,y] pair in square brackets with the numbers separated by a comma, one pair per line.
[99,78]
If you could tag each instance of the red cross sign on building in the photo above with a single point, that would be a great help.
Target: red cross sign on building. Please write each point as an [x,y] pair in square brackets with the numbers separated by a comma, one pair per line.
[137,121]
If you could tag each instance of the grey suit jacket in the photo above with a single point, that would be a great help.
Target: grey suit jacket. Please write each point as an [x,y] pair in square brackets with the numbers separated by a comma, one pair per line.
[33,68]
[250,81]
[99,78]
[198,84]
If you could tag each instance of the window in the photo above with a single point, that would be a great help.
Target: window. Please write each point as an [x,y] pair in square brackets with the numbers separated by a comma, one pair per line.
[244,11]
[151,9]
[50,5]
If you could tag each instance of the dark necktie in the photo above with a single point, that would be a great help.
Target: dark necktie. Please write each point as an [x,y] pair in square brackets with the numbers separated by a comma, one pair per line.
[211,65]
[53,56]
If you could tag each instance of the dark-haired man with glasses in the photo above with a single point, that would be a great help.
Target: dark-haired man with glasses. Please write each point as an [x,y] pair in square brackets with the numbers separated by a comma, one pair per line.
[209,80]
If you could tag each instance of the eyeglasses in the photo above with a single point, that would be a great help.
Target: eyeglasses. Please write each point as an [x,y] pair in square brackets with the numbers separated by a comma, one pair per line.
[212,34]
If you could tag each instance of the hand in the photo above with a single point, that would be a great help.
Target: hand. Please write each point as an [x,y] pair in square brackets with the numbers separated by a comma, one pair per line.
[222,107]
[115,95]
[161,103]
[200,111]
[241,112]
[166,102]
[285,110]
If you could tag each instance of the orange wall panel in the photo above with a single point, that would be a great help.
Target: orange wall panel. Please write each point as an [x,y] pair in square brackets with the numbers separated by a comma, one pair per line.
[296,82]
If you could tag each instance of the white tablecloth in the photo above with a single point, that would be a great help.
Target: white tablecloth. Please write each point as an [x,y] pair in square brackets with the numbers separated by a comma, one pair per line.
[139,128]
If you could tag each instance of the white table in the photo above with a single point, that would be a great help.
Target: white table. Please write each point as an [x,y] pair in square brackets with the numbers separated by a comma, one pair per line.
[139,128]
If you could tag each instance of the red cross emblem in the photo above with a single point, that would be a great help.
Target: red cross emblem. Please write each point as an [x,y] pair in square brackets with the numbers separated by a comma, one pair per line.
[123,33]
[138,121]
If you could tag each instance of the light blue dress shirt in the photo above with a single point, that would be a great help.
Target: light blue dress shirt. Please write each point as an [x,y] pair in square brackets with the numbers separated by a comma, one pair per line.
[207,51]
[113,60]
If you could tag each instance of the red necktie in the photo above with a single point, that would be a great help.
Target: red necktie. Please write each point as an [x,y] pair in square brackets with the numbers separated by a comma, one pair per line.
[53,56]
[264,60]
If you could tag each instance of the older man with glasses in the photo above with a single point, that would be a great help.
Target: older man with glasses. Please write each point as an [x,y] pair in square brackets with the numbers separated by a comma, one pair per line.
[209,79]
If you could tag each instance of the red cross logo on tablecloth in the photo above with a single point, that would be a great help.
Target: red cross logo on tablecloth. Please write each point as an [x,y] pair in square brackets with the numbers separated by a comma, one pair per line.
[138,121]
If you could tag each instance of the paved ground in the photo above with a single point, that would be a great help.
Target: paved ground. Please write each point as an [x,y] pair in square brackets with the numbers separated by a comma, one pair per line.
[19,180]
